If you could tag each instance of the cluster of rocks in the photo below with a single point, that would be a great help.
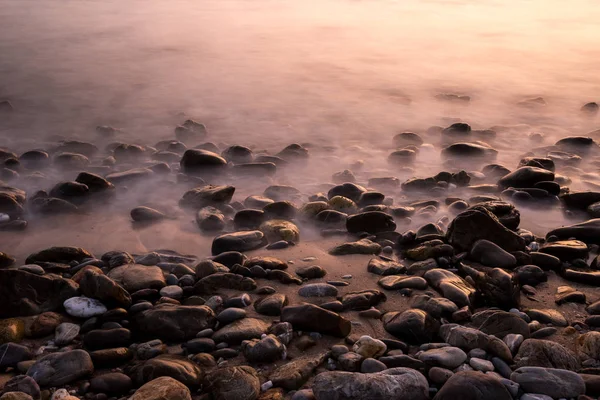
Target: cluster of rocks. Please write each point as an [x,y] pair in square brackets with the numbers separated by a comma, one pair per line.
[164,325]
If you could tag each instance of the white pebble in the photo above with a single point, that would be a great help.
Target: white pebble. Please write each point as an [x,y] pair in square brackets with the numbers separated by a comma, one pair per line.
[266,386]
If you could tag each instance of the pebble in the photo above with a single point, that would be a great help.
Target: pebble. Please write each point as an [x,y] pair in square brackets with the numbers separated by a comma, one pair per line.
[84,307]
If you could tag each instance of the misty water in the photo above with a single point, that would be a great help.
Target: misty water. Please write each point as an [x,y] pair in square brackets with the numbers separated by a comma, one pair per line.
[341,76]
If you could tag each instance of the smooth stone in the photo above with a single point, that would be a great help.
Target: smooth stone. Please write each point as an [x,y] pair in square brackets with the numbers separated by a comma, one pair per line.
[549,381]
[59,369]
[446,357]
[473,385]
[318,290]
[546,354]
[162,388]
[84,307]
[65,333]
[397,383]
[492,255]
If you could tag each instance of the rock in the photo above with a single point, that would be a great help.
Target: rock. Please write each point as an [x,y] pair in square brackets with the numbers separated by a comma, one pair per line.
[546,354]
[383,267]
[587,232]
[567,294]
[111,357]
[349,190]
[371,365]
[231,314]
[462,151]
[162,388]
[434,306]
[446,357]
[24,293]
[525,177]
[12,330]
[589,344]
[506,213]
[451,286]
[94,182]
[112,383]
[6,260]
[396,383]
[308,317]
[566,250]
[547,316]
[198,162]
[24,384]
[267,349]
[210,219]
[84,307]
[311,272]
[12,354]
[318,290]
[207,196]
[362,300]
[479,364]
[588,278]
[240,330]
[500,323]
[476,224]
[367,347]
[175,322]
[238,241]
[107,338]
[491,255]
[271,305]
[394,282]
[472,385]
[439,376]
[22,396]
[59,369]
[44,324]
[59,255]
[552,382]
[292,375]
[101,287]
[212,283]
[172,292]
[134,277]
[363,246]
[66,333]
[371,222]
[469,339]
[413,325]
[496,287]
[234,383]
[279,229]
[530,275]
[176,367]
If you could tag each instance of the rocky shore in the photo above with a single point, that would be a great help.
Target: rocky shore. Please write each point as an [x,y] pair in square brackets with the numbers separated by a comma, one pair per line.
[368,287]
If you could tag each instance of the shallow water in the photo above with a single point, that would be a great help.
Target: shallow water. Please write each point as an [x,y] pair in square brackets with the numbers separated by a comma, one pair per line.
[344,76]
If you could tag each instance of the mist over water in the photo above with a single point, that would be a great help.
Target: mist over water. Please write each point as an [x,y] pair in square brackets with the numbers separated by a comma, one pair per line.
[344,76]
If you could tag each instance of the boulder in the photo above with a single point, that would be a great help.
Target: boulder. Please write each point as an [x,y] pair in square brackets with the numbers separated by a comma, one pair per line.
[525,177]
[134,277]
[476,224]
[224,280]
[311,318]
[557,383]
[413,325]
[174,322]
[492,255]
[240,330]
[292,375]
[238,241]
[545,354]
[587,232]
[396,383]
[101,287]
[234,383]
[162,388]
[371,222]
[59,255]
[58,369]
[24,293]
[451,286]
[473,385]
[177,367]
